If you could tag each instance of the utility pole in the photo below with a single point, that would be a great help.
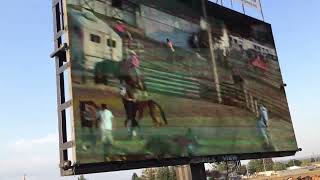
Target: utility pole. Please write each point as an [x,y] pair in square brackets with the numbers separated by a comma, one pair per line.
[198,171]
[227,167]
[247,170]
[212,53]
[264,165]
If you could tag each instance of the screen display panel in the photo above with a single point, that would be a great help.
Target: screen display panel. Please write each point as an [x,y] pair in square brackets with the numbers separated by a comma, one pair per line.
[158,80]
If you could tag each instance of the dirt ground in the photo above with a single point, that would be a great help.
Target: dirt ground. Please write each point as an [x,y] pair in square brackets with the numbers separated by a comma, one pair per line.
[196,128]
[307,175]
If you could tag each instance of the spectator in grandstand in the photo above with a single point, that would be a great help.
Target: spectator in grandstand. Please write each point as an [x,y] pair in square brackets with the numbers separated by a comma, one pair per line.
[122,30]
[171,50]
[170,45]
[239,81]
[195,41]
[236,76]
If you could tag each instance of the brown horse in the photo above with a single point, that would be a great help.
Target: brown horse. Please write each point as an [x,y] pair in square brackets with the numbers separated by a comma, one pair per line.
[134,81]
[153,108]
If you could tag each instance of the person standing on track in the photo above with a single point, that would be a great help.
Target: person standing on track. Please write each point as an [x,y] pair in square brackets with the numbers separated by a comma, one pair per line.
[263,128]
[105,118]
[106,124]
[130,105]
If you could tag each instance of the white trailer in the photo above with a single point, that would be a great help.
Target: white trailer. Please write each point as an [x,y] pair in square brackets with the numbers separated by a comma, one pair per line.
[95,38]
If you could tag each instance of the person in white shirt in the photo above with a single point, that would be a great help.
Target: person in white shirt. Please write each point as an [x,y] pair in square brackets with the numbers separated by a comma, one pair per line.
[106,121]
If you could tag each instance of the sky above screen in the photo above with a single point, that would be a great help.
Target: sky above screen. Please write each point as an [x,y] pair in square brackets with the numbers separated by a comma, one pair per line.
[28,110]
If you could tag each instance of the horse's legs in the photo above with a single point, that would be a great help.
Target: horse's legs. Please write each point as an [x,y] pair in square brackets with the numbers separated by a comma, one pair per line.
[152,109]
[126,108]
[140,109]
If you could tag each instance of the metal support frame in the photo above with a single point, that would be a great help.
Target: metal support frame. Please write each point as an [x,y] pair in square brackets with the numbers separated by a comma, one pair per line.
[60,56]
[198,171]
[60,52]
[197,162]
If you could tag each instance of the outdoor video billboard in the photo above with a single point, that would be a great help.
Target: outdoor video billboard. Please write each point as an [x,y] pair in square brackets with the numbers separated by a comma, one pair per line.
[149,83]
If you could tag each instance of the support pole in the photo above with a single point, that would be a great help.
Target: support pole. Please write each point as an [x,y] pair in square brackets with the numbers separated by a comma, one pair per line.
[198,171]
[212,53]
[261,10]
[243,9]
[227,174]
[61,64]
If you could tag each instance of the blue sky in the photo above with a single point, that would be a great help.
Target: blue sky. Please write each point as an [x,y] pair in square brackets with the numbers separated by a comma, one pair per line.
[28,90]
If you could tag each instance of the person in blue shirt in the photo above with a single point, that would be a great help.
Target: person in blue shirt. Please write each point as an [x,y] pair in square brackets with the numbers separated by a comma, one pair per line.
[263,127]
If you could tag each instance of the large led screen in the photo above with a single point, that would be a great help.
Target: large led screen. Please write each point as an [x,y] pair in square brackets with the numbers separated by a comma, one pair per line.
[154,80]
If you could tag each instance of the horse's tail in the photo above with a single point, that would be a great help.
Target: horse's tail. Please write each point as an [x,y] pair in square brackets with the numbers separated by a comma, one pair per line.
[163,115]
